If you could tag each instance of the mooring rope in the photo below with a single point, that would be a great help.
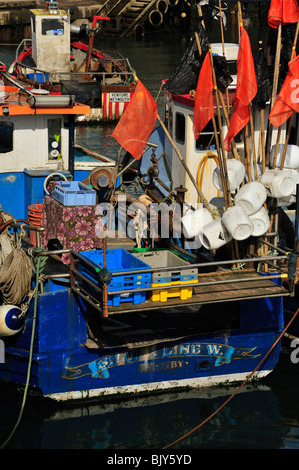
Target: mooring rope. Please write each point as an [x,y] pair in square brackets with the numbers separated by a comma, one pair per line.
[38,269]
[237,390]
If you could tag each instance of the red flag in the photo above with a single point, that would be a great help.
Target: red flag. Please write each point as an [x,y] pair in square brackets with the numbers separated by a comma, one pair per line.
[204,104]
[137,123]
[288,99]
[246,90]
[283,11]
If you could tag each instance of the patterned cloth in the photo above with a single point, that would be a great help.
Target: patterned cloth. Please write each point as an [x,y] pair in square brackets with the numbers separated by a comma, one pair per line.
[73,226]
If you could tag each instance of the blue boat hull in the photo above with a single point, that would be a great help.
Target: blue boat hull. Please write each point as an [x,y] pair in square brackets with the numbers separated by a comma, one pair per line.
[65,366]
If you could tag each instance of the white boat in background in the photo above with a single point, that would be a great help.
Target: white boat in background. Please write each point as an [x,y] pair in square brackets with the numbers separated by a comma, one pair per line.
[57,61]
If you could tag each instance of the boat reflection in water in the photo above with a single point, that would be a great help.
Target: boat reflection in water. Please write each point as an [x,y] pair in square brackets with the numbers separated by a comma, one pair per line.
[155,422]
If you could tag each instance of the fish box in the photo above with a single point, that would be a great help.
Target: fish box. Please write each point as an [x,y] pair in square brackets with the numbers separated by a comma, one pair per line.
[158,259]
[182,274]
[74,193]
[118,260]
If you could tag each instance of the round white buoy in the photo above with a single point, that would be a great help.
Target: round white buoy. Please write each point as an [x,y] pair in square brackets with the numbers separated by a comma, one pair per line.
[237,223]
[235,173]
[251,197]
[194,221]
[278,183]
[261,222]
[10,320]
[214,235]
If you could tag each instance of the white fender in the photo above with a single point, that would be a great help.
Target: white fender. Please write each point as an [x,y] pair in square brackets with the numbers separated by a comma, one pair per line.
[10,320]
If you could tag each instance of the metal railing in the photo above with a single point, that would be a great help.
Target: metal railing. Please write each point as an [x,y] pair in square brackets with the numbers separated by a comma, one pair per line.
[128,77]
[75,278]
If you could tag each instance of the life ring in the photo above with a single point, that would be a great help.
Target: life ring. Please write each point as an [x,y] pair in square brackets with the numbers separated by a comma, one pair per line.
[50,176]
[155,18]
[162,6]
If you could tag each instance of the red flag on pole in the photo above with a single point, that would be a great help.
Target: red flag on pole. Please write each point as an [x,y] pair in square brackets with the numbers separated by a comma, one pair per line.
[137,123]
[246,89]
[204,103]
[288,99]
[283,11]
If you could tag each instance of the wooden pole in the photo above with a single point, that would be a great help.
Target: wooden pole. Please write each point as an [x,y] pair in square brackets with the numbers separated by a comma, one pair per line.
[215,134]
[292,117]
[253,141]
[223,48]
[223,160]
[227,120]
[200,193]
[262,115]
[247,153]
[274,90]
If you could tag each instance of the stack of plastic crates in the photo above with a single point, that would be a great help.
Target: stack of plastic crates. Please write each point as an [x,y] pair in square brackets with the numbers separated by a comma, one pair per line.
[182,274]
[117,260]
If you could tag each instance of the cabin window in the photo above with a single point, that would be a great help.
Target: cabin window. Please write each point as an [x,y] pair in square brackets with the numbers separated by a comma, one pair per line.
[6,137]
[206,139]
[52,27]
[54,139]
[180,128]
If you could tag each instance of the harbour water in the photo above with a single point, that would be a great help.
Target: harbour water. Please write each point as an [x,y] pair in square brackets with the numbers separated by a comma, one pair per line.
[264,415]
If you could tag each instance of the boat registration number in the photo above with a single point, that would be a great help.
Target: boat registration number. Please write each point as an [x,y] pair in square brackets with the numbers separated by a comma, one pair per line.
[119,97]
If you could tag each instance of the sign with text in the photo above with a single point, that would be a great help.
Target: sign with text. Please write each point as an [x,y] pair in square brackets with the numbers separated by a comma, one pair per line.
[119,97]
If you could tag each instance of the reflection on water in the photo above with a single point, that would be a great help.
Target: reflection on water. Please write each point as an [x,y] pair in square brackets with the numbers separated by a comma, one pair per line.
[260,416]
[155,422]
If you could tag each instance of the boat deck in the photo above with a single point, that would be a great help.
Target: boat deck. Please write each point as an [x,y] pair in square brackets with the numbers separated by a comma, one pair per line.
[220,286]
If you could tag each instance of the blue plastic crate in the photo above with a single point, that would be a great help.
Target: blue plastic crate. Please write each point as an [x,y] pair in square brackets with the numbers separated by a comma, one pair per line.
[118,260]
[39,77]
[74,193]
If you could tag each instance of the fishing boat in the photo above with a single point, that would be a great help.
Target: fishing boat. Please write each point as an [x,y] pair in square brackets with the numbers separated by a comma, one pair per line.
[56,60]
[113,279]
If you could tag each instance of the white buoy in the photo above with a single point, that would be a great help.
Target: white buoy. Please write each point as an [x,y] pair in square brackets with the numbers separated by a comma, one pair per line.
[261,222]
[237,223]
[291,157]
[194,221]
[251,197]
[278,183]
[10,320]
[214,235]
[235,173]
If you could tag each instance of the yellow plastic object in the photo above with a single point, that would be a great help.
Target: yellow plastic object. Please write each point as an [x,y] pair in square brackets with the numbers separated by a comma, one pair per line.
[162,295]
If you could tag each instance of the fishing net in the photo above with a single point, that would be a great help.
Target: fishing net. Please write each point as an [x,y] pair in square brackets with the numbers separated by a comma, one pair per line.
[263,79]
[185,77]
[15,272]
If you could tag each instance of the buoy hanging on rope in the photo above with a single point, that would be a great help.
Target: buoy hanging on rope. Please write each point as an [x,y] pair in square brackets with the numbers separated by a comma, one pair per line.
[11,320]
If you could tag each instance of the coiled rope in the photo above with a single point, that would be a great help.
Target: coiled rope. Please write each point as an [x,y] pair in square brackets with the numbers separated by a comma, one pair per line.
[238,389]
[15,273]
[38,269]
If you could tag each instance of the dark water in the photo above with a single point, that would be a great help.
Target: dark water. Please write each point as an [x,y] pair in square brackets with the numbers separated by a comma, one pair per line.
[263,416]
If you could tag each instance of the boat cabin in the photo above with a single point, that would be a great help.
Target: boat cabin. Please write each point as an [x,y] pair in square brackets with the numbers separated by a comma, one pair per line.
[37,135]
[201,155]
[51,30]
